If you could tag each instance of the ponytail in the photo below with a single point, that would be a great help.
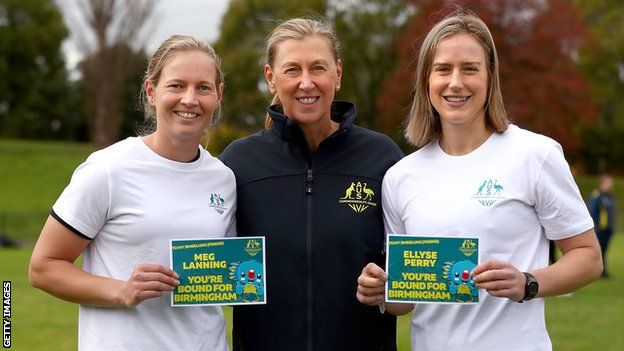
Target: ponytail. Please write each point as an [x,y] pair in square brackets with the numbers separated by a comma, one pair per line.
[268,121]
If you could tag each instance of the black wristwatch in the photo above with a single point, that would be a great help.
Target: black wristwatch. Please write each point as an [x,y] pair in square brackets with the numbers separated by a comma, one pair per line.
[531,287]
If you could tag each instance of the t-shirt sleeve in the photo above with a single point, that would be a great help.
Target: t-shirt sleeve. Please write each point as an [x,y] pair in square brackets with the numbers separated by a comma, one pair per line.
[559,205]
[84,204]
[393,223]
[231,229]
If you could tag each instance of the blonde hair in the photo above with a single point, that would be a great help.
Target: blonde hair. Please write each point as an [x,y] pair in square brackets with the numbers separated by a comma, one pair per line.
[423,122]
[169,48]
[298,29]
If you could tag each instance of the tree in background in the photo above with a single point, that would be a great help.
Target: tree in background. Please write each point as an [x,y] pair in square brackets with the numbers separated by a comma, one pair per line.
[367,30]
[538,44]
[130,74]
[33,79]
[131,109]
[116,28]
[603,63]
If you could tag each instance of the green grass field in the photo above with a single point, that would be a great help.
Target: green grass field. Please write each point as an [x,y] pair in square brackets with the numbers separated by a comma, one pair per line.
[33,174]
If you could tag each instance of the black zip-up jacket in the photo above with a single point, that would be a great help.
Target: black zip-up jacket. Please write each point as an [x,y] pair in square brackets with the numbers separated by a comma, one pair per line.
[321,215]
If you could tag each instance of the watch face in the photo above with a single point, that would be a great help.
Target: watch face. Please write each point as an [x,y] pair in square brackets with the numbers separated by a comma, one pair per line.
[532,288]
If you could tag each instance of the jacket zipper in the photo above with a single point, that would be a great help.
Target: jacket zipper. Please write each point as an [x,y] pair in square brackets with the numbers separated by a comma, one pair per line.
[309,192]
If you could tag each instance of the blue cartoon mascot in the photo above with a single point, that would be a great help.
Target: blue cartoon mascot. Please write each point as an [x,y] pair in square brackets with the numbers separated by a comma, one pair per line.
[461,286]
[249,279]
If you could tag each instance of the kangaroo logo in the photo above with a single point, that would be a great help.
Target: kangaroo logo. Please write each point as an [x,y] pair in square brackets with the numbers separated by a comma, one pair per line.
[468,247]
[480,191]
[349,191]
[358,197]
[489,192]
[217,202]
[253,247]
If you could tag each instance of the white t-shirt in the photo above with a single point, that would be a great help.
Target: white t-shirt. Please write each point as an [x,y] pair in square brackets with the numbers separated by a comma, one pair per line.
[514,193]
[131,202]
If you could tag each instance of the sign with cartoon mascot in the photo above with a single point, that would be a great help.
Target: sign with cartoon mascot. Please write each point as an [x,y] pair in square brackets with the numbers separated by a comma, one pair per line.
[223,271]
[431,269]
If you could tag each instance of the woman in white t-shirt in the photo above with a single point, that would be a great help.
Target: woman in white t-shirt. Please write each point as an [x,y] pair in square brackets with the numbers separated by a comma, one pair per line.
[126,202]
[467,144]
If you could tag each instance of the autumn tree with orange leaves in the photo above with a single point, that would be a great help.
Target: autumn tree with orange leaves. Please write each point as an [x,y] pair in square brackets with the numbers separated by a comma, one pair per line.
[537,42]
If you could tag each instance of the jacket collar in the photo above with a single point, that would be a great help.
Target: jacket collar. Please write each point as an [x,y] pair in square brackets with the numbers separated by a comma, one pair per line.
[343,112]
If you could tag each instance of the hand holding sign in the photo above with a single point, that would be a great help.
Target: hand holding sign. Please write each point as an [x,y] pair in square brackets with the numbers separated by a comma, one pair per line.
[500,279]
[371,285]
[147,281]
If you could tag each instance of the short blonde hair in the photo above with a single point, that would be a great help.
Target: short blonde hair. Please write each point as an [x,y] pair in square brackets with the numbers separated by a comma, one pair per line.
[169,48]
[298,29]
[423,122]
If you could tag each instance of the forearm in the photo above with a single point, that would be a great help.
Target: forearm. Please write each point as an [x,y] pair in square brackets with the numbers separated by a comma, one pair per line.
[69,282]
[52,270]
[576,268]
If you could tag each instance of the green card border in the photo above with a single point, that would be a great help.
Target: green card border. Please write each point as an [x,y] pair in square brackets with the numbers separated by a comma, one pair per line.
[418,237]
[261,238]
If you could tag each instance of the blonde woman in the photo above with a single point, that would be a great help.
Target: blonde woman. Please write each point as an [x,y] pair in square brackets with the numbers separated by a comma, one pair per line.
[468,149]
[125,203]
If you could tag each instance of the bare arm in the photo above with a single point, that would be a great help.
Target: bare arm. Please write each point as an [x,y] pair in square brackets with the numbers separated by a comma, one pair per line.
[52,270]
[580,265]
[371,290]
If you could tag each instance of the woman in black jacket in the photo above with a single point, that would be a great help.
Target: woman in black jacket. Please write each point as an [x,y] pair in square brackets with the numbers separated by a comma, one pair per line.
[311,183]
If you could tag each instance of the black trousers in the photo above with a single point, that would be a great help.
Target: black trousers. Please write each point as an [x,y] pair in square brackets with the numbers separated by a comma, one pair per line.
[604,237]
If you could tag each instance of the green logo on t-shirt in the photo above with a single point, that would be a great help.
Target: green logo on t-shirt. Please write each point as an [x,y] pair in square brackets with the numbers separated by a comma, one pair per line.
[489,192]
[217,202]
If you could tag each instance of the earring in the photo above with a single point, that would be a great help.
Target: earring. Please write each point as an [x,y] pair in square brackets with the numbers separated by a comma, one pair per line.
[272,88]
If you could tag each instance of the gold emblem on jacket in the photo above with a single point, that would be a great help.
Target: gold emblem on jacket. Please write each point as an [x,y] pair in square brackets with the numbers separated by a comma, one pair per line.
[358,196]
